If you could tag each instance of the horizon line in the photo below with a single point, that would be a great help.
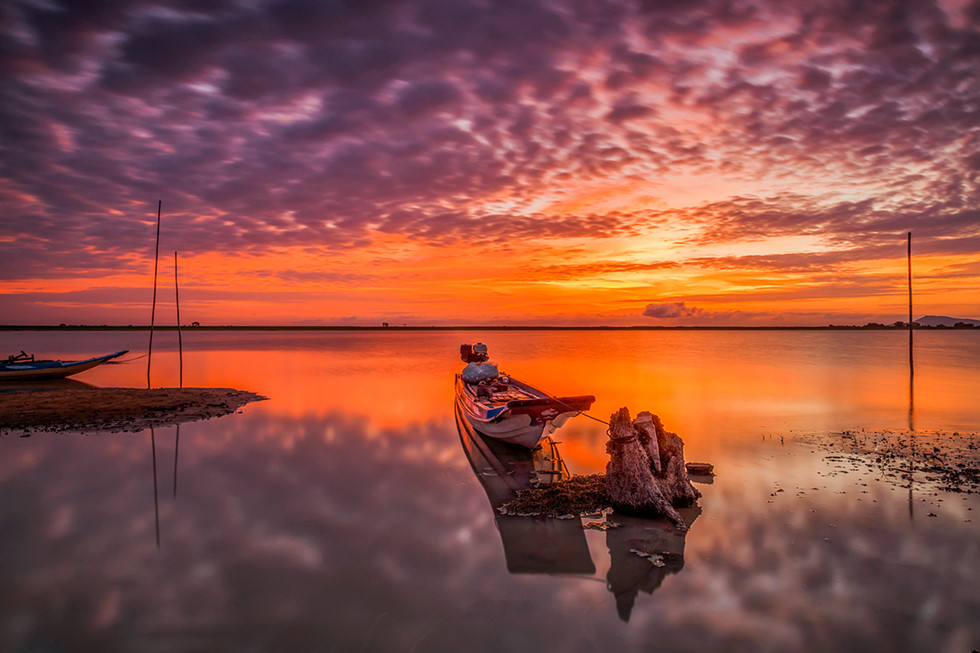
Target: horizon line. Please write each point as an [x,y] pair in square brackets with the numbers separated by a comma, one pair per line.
[406,327]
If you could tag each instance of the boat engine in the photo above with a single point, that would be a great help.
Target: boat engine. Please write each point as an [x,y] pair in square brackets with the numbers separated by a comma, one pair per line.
[473,353]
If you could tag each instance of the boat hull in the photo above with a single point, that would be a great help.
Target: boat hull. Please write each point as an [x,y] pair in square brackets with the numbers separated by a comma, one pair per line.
[524,421]
[516,429]
[51,369]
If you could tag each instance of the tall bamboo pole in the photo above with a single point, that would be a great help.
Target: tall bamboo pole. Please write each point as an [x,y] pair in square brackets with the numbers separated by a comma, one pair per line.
[911,367]
[153,310]
[180,341]
[180,348]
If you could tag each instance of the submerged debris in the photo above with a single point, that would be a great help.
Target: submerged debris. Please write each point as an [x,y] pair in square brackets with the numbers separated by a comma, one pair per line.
[603,525]
[573,497]
[948,461]
[700,469]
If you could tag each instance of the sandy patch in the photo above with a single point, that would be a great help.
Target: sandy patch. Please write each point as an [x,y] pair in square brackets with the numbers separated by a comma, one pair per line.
[116,409]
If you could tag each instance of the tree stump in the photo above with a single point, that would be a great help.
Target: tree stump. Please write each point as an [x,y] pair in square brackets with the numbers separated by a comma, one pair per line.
[674,479]
[645,474]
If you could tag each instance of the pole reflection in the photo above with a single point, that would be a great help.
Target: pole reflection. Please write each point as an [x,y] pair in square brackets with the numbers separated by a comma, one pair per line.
[156,501]
[911,402]
[176,449]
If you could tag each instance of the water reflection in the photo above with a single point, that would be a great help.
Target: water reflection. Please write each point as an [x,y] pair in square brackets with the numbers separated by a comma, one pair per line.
[911,402]
[642,552]
[535,545]
[41,385]
[662,549]
[326,534]
[325,519]
[176,450]
[156,494]
[156,500]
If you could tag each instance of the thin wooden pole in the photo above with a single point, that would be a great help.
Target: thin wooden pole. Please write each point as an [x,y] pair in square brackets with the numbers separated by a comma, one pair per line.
[180,341]
[153,310]
[911,366]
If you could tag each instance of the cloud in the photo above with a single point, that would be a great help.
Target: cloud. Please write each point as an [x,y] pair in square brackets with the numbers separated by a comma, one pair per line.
[672,310]
[597,269]
[268,125]
[681,311]
[854,225]
[625,111]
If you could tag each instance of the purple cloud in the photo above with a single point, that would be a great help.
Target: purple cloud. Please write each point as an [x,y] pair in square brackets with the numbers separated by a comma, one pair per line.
[671,310]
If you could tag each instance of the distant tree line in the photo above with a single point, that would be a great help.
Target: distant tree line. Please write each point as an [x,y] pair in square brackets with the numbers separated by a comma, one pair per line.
[915,325]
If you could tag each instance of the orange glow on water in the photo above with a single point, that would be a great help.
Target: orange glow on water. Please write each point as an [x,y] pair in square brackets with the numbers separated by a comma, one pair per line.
[312,384]
[720,391]
[708,388]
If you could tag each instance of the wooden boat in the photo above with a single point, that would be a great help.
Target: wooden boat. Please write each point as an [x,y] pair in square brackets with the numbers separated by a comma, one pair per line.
[23,366]
[501,407]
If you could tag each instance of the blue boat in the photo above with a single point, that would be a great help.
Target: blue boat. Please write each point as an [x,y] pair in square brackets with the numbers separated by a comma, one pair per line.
[23,366]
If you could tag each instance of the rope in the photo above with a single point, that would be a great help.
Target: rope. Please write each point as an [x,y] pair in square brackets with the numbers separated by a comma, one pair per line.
[125,360]
[601,421]
[614,444]
[581,412]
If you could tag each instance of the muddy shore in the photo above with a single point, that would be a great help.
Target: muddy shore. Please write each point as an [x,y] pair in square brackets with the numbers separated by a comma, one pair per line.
[949,462]
[86,410]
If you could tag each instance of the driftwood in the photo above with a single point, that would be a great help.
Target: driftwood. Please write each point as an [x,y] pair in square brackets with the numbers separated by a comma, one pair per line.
[645,474]
[700,469]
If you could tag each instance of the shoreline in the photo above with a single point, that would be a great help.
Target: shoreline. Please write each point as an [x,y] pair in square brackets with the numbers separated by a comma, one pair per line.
[87,410]
[104,327]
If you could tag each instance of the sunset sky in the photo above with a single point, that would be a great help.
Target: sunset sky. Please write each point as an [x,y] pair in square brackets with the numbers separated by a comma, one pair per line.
[443,162]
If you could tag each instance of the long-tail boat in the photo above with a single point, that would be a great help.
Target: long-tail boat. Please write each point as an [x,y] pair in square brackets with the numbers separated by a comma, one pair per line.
[499,406]
[24,366]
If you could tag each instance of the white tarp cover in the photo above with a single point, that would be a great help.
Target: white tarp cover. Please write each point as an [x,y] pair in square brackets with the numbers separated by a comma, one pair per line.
[476,372]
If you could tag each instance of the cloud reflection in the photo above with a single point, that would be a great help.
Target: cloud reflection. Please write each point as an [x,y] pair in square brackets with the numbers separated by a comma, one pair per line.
[323,532]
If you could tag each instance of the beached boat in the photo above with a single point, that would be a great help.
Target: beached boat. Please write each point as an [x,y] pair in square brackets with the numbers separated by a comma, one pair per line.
[501,407]
[23,366]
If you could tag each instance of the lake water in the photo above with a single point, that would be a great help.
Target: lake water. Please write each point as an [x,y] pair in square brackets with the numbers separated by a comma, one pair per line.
[344,514]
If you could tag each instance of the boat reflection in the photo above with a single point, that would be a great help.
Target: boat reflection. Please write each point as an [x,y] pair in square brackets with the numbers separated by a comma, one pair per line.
[42,385]
[535,545]
[642,551]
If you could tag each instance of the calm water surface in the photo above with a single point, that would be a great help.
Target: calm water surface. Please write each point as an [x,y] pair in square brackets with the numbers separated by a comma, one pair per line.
[345,514]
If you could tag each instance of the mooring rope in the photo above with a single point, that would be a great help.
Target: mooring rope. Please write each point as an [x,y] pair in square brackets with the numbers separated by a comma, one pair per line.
[580,412]
[125,360]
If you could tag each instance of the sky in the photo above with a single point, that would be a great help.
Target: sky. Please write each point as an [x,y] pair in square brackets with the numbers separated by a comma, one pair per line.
[469,162]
